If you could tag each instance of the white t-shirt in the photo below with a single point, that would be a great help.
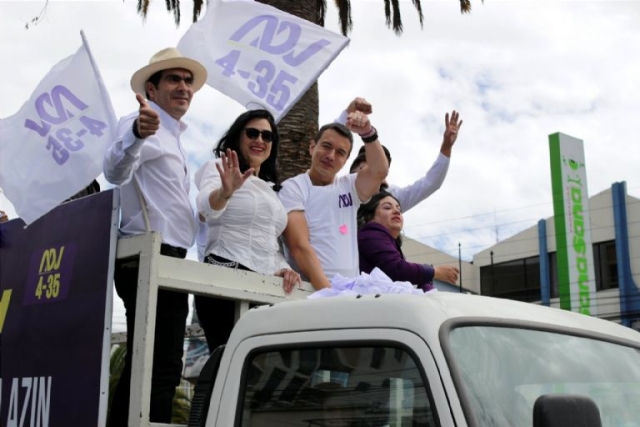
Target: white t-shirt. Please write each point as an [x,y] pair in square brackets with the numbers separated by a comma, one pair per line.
[159,165]
[331,214]
[246,230]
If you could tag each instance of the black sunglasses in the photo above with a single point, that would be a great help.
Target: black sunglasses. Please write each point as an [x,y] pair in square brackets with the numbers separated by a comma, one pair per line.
[253,133]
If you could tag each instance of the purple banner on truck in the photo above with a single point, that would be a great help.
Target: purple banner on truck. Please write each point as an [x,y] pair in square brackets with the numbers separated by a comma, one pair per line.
[55,311]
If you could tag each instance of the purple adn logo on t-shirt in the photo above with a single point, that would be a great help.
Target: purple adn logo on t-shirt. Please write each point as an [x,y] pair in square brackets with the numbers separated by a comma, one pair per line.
[345,201]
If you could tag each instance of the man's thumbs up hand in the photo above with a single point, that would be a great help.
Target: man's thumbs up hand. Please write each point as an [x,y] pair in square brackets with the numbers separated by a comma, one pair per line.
[148,120]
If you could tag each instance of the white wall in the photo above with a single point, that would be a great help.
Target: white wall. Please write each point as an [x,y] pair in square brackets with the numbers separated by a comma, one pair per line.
[415,251]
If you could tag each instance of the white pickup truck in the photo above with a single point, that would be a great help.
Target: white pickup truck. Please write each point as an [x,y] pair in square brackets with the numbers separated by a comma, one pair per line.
[441,359]
[435,360]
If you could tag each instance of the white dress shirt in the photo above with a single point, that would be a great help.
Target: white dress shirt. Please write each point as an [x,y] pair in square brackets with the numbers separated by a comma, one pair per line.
[246,230]
[159,165]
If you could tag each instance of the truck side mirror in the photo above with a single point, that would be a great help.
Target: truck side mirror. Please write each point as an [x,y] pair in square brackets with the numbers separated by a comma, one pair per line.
[565,410]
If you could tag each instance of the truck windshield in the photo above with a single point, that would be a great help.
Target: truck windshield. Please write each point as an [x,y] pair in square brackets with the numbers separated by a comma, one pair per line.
[504,370]
[365,386]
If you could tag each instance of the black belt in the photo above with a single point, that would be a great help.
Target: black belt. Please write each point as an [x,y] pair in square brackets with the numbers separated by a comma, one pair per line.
[173,251]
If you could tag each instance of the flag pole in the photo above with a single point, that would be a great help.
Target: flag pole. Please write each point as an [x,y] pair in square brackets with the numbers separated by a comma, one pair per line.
[106,100]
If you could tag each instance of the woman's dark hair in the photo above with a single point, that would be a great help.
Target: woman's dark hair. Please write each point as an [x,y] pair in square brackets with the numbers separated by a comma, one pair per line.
[367,211]
[231,140]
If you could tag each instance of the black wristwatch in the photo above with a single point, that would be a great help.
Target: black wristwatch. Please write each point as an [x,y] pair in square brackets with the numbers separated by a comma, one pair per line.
[135,129]
[370,138]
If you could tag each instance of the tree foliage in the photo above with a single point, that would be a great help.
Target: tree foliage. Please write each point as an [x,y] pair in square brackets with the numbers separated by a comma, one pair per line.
[301,123]
[391,12]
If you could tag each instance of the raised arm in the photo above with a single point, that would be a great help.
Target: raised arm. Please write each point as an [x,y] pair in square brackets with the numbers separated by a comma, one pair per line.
[231,179]
[414,193]
[369,179]
[123,156]
[217,180]
[451,127]
[428,184]
[296,237]
[358,104]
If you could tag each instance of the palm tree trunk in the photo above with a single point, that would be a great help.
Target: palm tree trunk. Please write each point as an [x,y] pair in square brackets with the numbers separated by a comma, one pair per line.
[300,125]
[297,129]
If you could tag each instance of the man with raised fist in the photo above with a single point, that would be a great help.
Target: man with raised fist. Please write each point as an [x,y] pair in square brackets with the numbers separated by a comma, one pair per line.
[149,164]
[321,234]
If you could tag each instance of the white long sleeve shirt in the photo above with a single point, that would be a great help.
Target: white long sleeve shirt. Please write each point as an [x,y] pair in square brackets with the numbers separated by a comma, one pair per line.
[246,230]
[424,187]
[159,165]
[412,194]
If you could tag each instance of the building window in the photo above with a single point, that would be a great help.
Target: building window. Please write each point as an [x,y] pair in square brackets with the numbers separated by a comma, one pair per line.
[518,279]
[605,265]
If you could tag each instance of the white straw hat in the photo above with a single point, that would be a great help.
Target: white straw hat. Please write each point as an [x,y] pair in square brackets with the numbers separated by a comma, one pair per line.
[166,59]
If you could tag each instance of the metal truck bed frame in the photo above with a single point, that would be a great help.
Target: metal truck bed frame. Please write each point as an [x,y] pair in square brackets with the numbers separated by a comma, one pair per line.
[158,271]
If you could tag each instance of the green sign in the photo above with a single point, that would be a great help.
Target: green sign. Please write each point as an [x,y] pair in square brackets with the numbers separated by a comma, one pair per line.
[576,278]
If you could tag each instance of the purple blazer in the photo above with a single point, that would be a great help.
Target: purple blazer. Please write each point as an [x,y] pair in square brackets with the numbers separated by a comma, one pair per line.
[378,248]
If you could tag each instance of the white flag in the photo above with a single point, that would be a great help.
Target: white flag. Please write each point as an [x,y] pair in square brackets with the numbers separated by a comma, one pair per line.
[258,55]
[54,146]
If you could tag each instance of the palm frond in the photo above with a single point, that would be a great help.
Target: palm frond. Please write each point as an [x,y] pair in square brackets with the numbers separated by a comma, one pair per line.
[393,18]
[174,6]
[387,13]
[197,9]
[418,7]
[465,6]
[396,19]
[143,8]
[344,15]
[36,19]
[321,11]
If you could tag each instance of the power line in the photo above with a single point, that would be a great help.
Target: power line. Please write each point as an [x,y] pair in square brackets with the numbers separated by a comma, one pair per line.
[489,230]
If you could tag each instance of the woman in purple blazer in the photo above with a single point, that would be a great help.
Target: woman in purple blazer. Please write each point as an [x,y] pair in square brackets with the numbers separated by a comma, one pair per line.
[379,245]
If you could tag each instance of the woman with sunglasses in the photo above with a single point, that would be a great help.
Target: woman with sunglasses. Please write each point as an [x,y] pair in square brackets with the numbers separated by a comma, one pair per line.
[238,201]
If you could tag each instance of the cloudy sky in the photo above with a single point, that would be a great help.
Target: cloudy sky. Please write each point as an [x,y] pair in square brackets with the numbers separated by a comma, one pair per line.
[517,70]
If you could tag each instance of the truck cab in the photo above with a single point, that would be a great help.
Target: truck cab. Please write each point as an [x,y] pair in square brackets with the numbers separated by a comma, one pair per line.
[441,359]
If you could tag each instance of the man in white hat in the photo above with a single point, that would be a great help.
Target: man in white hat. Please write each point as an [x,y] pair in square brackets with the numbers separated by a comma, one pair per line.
[148,157]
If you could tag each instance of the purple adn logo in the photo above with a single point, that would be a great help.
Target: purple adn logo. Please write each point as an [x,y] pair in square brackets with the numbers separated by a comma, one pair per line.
[278,89]
[50,274]
[66,140]
[345,201]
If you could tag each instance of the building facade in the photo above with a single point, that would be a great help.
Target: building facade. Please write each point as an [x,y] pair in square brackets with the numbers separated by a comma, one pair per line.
[523,267]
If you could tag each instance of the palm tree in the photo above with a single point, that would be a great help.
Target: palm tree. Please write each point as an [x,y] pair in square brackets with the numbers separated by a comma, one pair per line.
[301,123]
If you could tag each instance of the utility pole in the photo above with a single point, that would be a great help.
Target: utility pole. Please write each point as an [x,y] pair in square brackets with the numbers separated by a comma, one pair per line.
[460,264]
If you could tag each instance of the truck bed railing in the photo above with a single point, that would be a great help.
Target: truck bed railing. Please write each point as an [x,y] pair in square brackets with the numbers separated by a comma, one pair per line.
[158,271]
